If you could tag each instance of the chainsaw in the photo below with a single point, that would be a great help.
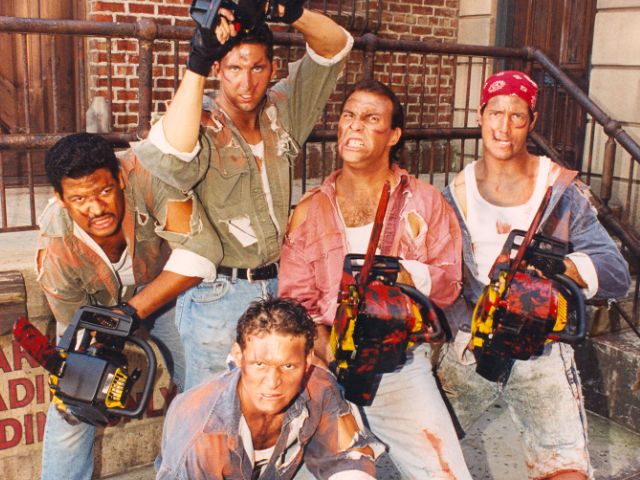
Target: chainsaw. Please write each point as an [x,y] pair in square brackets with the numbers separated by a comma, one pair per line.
[377,319]
[527,304]
[90,377]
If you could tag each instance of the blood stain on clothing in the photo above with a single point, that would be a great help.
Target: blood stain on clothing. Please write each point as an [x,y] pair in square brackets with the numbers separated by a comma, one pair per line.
[436,443]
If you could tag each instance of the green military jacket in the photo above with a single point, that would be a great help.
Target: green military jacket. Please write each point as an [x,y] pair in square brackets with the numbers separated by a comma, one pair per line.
[72,274]
[224,173]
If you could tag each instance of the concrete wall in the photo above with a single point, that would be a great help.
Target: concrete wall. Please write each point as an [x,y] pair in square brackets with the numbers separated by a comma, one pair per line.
[615,86]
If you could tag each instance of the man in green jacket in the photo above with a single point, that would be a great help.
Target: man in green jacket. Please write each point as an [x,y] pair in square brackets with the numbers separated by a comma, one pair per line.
[239,164]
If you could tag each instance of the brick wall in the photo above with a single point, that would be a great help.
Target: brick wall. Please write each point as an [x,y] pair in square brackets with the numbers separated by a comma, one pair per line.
[406,20]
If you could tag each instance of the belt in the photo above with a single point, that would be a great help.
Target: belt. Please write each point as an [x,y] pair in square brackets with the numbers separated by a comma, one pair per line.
[251,274]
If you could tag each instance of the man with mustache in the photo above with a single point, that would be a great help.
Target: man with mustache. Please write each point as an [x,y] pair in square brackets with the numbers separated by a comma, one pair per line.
[111,229]
[407,413]
[240,164]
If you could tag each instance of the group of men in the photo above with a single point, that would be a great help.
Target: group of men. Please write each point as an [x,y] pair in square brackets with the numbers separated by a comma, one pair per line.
[200,211]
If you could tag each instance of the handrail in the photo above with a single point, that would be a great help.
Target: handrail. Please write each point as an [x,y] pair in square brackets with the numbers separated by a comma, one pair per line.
[611,126]
[147,30]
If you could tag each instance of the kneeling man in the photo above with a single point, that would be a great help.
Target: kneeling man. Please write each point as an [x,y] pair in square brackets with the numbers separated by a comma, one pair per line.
[268,415]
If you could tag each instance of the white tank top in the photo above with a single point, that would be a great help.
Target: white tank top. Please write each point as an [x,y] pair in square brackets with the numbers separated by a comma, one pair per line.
[489,225]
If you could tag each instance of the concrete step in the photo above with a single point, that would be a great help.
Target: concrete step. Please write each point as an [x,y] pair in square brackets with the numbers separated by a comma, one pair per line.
[610,371]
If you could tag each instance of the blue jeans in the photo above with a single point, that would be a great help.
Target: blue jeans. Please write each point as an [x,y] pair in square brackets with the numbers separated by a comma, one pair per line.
[544,398]
[410,416]
[67,450]
[207,315]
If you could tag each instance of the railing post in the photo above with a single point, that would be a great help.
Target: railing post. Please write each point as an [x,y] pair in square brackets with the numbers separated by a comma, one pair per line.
[146,32]
[370,42]
[607,170]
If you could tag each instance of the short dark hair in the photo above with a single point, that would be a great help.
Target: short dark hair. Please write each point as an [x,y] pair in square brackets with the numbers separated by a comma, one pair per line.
[261,35]
[397,112]
[79,155]
[276,315]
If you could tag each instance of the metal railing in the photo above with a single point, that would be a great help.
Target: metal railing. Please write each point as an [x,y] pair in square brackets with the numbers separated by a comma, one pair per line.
[437,82]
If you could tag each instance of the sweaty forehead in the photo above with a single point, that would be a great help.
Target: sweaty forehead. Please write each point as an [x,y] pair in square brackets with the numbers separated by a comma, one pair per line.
[507,102]
[96,180]
[368,102]
[247,53]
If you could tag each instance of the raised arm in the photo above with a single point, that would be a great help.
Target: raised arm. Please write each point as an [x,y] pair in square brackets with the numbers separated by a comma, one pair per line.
[324,36]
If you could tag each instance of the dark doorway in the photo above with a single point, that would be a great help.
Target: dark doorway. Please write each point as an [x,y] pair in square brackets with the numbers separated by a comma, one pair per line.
[563,30]
[38,84]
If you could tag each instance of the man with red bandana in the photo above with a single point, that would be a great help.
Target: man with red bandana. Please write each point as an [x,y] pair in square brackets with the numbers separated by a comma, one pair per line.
[492,196]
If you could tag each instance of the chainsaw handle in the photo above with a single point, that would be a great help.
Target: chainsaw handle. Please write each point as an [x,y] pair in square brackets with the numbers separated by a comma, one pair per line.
[148,383]
[428,313]
[578,296]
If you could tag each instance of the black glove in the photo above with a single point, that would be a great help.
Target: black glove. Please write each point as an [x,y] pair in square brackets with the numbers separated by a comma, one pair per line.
[549,266]
[206,49]
[292,11]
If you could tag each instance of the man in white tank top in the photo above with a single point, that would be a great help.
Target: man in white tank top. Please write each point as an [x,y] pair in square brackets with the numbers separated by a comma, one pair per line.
[492,196]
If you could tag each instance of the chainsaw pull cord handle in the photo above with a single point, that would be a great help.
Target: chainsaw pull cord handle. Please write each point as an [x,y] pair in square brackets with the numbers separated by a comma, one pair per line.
[148,383]
[578,297]
[428,313]
[535,223]
[376,231]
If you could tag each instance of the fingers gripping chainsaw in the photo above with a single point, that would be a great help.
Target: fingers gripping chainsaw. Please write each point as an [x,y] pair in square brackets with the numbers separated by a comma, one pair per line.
[527,304]
[377,319]
[91,380]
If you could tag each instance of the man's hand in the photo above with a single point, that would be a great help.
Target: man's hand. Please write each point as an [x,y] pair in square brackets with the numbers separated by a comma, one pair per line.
[289,11]
[322,346]
[207,48]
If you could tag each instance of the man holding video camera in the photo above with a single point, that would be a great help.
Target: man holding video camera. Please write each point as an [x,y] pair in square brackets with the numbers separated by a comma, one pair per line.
[239,164]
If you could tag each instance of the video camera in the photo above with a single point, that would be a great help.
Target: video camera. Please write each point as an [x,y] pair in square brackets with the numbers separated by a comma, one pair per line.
[248,14]
[91,378]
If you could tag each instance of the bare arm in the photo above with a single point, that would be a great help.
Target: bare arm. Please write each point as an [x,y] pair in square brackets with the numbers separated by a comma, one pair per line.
[324,36]
[181,123]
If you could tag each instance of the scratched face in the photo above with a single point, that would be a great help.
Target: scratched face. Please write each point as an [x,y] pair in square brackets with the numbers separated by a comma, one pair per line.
[505,125]
[365,136]
[95,203]
[244,74]
[273,368]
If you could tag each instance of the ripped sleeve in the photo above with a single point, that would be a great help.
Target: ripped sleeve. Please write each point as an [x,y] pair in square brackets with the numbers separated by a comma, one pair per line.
[341,445]
[183,223]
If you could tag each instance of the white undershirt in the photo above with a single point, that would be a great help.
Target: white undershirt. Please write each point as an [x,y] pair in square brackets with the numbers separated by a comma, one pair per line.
[258,152]
[357,239]
[490,225]
[487,224]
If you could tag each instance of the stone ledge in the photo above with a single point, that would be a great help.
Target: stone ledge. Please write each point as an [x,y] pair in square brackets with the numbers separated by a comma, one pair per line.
[610,370]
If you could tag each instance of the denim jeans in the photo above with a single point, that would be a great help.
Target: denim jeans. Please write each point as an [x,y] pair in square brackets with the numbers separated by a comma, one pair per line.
[544,398]
[207,315]
[410,416]
[67,450]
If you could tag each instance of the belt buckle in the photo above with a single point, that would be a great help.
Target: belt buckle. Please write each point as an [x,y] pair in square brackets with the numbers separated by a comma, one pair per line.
[250,275]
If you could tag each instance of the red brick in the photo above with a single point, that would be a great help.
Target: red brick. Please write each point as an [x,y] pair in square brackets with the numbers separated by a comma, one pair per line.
[142,8]
[173,11]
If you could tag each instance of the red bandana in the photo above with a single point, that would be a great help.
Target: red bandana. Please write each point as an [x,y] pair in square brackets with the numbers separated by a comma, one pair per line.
[510,82]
